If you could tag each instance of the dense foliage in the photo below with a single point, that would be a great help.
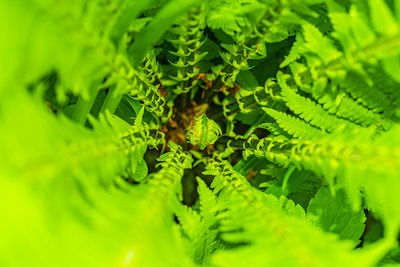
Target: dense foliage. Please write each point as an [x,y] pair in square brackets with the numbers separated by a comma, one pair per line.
[199,133]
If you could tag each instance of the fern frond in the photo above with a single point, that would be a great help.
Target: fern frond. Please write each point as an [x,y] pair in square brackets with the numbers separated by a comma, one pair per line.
[111,138]
[268,21]
[265,230]
[67,180]
[345,107]
[259,22]
[201,227]
[364,163]
[146,85]
[333,101]
[85,105]
[274,129]
[362,45]
[203,131]
[247,101]
[236,60]
[372,97]
[165,182]
[189,39]
[163,190]
[309,110]
[294,126]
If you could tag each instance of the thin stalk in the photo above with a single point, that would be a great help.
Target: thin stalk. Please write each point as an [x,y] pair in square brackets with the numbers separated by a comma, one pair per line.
[112,100]
[83,106]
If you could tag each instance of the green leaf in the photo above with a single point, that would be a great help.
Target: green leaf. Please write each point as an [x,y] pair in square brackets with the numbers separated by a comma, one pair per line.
[319,44]
[127,13]
[392,67]
[363,34]
[140,171]
[294,126]
[382,18]
[335,214]
[308,110]
[207,201]
[247,80]
[233,16]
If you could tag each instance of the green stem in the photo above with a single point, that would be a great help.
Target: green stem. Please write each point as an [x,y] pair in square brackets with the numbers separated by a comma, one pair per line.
[255,125]
[112,100]
[83,106]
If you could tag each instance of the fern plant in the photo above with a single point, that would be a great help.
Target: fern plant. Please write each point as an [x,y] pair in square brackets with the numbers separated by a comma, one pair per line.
[180,133]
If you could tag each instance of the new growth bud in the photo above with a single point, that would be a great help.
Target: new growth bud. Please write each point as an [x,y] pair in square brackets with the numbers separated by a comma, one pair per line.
[203,131]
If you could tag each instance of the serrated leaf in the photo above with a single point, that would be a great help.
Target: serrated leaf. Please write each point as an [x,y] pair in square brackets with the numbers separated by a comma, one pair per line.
[335,214]
[319,44]
[294,126]
[291,208]
[207,200]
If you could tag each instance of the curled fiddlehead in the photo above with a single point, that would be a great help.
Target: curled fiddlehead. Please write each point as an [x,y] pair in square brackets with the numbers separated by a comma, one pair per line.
[203,131]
